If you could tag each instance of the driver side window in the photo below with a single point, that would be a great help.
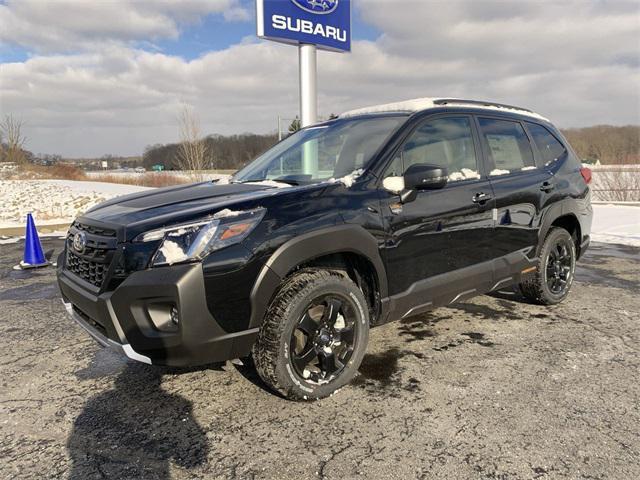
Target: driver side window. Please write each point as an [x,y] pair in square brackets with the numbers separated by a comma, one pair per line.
[445,142]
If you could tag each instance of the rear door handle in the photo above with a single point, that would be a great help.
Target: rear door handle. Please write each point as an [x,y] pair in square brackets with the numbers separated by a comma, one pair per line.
[547,186]
[481,198]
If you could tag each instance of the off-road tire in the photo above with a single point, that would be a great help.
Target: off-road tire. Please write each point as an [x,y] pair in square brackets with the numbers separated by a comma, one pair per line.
[534,287]
[271,351]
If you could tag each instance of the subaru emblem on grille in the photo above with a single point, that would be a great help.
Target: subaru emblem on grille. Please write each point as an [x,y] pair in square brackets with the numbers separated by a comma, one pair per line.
[79,242]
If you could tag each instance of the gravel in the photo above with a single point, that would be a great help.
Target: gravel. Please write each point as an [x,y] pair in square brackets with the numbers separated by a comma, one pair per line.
[491,388]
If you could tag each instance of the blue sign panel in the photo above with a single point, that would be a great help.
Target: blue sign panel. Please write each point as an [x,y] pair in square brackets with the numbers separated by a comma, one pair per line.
[324,23]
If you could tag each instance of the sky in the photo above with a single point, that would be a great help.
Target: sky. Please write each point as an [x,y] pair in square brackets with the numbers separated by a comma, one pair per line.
[95,77]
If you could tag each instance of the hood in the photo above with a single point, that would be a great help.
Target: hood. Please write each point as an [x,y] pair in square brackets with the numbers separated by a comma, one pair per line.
[131,214]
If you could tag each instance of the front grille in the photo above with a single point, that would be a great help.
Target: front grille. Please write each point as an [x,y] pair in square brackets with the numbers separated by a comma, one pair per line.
[93,262]
[91,271]
[101,231]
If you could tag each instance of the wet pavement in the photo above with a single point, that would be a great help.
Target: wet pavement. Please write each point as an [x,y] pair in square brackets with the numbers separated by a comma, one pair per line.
[491,388]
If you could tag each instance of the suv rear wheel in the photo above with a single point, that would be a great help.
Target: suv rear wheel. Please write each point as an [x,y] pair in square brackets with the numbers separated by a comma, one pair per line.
[314,335]
[552,280]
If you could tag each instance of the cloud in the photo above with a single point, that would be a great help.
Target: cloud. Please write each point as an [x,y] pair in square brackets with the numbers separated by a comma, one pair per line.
[575,62]
[120,99]
[67,25]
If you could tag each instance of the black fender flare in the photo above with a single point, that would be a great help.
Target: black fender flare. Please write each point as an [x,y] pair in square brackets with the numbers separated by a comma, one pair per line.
[306,247]
[565,208]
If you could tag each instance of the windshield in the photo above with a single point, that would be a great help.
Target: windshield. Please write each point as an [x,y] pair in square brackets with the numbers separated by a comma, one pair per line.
[323,152]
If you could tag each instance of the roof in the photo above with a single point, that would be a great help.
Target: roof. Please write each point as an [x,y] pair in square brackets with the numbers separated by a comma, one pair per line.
[426,103]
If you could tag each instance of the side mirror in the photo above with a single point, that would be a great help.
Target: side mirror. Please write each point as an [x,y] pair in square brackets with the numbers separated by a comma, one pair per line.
[421,176]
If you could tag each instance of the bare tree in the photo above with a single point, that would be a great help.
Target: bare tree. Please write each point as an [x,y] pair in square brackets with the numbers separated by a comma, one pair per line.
[192,150]
[608,144]
[11,129]
[617,184]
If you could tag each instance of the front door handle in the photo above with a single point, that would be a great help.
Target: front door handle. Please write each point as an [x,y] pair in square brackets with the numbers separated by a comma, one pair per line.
[547,186]
[481,198]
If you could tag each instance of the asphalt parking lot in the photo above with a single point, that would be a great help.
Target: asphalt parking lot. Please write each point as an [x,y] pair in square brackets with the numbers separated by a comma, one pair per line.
[492,388]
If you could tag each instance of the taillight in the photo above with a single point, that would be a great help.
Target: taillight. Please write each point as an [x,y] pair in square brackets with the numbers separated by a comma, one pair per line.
[586,174]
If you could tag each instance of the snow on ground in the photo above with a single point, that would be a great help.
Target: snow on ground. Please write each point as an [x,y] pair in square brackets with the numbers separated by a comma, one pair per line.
[616,224]
[134,174]
[53,201]
[196,176]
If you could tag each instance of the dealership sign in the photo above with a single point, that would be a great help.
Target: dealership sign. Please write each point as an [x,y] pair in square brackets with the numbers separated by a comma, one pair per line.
[324,23]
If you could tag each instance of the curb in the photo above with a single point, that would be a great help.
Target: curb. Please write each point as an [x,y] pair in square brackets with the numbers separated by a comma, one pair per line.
[622,204]
[19,231]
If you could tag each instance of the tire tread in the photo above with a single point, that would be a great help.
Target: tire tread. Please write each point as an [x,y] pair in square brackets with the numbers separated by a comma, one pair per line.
[266,350]
[532,287]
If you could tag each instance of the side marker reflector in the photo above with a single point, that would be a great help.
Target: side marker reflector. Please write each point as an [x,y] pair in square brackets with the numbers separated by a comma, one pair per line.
[530,269]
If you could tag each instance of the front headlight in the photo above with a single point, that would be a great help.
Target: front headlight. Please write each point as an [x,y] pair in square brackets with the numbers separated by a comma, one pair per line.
[194,241]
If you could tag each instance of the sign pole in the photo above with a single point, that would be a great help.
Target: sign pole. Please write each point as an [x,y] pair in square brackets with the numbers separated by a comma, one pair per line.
[279,128]
[308,84]
[309,24]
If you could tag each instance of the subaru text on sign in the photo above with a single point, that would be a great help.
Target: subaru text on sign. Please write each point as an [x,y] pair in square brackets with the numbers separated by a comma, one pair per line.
[324,23]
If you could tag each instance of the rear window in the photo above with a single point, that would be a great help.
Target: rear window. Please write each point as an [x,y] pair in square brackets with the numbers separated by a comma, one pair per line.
[508,145]
[549,146]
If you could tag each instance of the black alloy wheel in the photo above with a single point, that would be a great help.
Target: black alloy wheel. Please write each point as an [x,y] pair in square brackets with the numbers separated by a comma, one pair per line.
[324,338]
[314,335]
[559,268]
[555,265]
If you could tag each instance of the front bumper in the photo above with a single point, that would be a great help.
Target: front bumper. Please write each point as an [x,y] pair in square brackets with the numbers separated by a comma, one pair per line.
[135,318]
[124,349]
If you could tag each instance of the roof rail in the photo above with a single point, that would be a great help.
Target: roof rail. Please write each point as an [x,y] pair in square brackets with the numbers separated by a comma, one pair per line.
[446,101]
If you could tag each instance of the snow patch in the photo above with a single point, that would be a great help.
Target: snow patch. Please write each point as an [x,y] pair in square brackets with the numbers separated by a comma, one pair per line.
[172,252]
[498,171]
[524,169]
[394,184]
[412,105]
[463,174]
[425,103]
[226,213]
[53,201]
[621,239]
[270,183]
[348,180]
[616,224]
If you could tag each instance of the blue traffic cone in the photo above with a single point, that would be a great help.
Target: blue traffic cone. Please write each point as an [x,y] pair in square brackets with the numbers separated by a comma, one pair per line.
[33,254]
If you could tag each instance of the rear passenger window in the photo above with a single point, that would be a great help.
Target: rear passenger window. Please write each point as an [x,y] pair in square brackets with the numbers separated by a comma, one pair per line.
[548,145]
[508,146]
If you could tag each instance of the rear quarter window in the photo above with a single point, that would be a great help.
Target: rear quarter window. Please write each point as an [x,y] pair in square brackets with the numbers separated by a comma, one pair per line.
[549,147]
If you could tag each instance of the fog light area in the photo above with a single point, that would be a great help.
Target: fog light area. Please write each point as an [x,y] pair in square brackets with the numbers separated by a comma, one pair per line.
[165,316]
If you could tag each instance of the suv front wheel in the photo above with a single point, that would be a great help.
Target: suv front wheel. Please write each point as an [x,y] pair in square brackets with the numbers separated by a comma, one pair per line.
[314,335]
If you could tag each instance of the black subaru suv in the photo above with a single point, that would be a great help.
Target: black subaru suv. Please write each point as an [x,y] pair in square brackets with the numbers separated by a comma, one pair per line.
[382,213]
